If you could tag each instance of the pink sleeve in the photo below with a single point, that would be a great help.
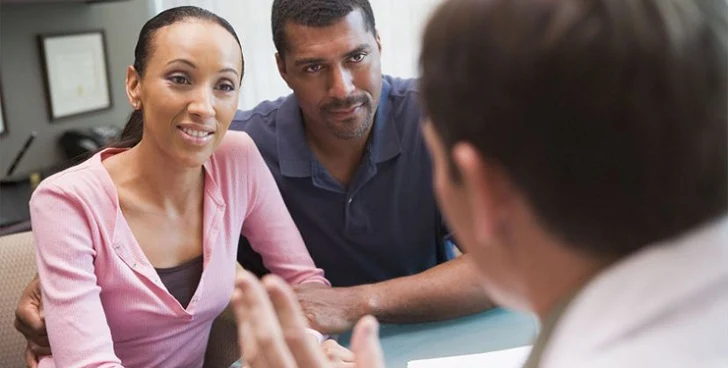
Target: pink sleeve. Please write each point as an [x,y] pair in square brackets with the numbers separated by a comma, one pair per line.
[270,229]
[75,319]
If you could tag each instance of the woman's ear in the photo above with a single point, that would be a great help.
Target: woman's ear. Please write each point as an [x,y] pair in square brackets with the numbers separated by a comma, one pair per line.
[133,88]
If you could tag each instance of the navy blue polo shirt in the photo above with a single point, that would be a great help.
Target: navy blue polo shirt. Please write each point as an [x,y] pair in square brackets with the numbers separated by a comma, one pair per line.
[385,224]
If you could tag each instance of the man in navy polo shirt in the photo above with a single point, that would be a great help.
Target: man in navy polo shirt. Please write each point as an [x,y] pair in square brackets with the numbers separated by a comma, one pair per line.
[346,151]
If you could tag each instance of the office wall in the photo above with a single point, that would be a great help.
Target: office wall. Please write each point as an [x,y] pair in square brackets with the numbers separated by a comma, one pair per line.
[22,79]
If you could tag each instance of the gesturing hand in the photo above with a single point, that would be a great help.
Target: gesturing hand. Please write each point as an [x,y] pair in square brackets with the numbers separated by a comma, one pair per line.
[271,328]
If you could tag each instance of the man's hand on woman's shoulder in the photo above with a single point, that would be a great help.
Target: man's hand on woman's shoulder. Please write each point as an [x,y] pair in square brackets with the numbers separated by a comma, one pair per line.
[29,321]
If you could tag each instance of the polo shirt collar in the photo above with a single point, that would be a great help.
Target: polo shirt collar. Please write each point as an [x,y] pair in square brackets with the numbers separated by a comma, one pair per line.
[385,143]
[295,157]
[293,153]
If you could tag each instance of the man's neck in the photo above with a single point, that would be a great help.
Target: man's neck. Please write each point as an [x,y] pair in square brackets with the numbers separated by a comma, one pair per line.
[560,274]
[341,157]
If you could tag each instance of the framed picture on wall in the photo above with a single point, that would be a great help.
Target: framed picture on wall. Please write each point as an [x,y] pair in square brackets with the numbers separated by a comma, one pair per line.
[76,73]
[3,121]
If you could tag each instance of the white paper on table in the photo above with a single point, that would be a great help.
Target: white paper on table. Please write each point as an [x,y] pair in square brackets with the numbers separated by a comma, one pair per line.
[509,358]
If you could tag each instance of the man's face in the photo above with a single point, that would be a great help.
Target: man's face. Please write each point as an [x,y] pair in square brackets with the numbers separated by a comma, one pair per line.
[477,211]
[335,72]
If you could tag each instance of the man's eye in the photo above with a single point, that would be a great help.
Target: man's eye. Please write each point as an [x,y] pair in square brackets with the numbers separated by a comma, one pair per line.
[358,57]
[313,68]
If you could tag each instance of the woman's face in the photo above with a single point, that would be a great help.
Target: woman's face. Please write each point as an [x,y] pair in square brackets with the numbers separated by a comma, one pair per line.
[189,90]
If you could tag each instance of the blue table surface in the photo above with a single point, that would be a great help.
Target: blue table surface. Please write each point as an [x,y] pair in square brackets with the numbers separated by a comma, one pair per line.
[496,329]
[488,331]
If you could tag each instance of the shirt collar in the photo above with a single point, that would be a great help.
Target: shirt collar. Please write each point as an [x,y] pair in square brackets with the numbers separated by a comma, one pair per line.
[674,273]
[385,142]
[294,154]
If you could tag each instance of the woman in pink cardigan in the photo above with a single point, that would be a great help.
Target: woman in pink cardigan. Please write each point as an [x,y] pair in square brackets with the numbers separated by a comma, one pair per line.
[136,247]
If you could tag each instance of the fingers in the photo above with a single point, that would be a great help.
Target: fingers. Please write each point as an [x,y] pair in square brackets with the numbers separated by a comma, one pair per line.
[33,290]
[337,353]
[341,364]
[305,350]
[29,321]
[39,350]
[365,343]
[246,342]
[29,308]
[31,360]
[246,339]
[260,333]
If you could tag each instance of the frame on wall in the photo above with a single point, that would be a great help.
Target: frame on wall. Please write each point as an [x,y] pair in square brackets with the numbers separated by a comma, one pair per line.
[76,73]
[3,120]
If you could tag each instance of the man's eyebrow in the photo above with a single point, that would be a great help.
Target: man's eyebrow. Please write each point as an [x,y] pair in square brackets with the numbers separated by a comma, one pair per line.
[307,61]
[361,48]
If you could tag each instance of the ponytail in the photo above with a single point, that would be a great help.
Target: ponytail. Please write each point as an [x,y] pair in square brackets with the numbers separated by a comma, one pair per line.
[132,133]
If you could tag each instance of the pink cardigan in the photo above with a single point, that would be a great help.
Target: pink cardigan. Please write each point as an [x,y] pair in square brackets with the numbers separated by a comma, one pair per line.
[104,303]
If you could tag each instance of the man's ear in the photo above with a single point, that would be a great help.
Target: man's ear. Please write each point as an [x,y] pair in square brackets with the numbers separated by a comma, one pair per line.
[486,188]
[379,41]
[133,88]
[282,68]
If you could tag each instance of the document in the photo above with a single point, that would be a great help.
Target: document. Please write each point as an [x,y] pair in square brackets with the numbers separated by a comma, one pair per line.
[510,358]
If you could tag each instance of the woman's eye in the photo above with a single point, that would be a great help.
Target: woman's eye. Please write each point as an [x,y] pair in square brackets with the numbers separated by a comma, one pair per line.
[226,87]
[179,79]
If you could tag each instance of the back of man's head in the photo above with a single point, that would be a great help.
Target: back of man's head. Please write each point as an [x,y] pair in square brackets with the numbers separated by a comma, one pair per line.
[609,115]
[314,13]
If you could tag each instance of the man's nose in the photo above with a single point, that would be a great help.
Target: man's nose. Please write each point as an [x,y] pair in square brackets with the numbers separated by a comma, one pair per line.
[342,84]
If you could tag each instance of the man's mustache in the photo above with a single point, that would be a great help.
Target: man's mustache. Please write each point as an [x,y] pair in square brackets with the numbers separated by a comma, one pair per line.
[347,103]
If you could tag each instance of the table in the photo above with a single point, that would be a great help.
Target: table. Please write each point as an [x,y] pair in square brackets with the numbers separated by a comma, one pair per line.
[492,330]
[495,329]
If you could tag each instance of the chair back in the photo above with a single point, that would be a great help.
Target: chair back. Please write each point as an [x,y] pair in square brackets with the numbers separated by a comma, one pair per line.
[17,268]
